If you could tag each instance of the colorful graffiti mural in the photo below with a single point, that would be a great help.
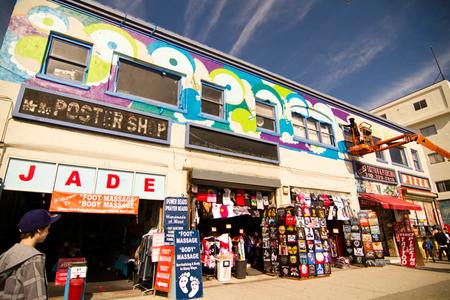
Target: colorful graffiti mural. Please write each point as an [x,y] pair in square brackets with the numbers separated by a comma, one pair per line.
[25,45]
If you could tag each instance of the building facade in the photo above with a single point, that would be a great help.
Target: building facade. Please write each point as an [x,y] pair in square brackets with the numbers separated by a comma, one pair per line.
[94,102]
[427,112]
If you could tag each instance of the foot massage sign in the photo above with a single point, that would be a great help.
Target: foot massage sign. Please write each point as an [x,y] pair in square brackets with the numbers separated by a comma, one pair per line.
[188,269]
[164,269]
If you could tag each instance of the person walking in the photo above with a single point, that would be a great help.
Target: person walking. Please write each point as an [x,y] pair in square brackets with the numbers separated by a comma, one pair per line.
[427,245]
[22,267]
[442,241]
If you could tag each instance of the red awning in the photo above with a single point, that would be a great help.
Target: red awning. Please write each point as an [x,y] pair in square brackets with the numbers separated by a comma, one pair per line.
[390,202]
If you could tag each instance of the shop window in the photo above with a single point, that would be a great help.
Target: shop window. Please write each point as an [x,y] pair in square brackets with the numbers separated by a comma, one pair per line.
[443,186]
[416,160]
[265,117]
[428,131]
[147,82]
[435,158]
[299,125]
[66,59]
[420,105]
[379,154]
[398,156]
[212,100]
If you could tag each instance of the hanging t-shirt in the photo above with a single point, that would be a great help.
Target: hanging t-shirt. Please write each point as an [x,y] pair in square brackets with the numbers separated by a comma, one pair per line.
[240,197]
[226,198]
[266,200]
[211,197]
[259,201]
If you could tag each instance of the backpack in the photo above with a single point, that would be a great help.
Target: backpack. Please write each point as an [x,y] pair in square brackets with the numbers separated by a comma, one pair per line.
[427,245]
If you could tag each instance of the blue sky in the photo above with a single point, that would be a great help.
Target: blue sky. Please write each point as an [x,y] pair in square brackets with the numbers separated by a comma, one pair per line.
[363,52]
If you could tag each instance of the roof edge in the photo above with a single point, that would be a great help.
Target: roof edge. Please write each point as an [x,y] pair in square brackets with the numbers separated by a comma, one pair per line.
[147,28]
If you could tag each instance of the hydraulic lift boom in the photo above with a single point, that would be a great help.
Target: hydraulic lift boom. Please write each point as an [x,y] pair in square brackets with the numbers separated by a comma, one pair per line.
[363,142]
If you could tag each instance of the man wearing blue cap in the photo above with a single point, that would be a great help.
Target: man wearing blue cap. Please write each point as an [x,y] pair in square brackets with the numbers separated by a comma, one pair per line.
[22,267]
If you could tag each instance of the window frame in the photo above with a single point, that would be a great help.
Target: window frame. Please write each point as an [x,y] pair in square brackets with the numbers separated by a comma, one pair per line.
[42,74]
[222,101]
[403,150]
[444,182]
[427,127]
[180,103]
[435,154]
[306,139]
[382,153]
[275,120]
[419,166]
[420,105]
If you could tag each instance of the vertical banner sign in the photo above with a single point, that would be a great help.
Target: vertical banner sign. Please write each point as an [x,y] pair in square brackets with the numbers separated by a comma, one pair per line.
[175,216]
[164,269]
[407,252]
[188,268]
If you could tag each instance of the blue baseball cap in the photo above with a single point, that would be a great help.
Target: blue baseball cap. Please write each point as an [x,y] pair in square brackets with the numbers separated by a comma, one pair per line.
[36,219]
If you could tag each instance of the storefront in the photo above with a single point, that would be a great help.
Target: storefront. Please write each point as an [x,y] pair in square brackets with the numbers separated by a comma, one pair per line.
[378,191]
[227,209]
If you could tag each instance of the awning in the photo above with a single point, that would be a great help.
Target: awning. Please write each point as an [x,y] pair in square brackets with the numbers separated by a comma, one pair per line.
[389,202]
[421,193]
[220,179]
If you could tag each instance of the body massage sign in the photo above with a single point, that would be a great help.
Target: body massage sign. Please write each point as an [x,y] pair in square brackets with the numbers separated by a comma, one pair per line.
[175,216]
[188,268]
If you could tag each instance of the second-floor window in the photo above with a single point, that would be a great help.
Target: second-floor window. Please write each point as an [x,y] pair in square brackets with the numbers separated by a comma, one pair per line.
[420,105]
[67,59]
[398,156]
[311,129]
[428,131]
[265,117]
[379,154]
[147,82]
[415,159]
[212,101]
[435,158]
[443,186]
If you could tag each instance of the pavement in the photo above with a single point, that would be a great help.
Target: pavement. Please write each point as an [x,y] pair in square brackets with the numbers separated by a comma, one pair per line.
[390,282]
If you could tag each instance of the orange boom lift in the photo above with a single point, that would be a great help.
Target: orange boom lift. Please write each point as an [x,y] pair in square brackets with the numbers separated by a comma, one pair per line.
[362,142]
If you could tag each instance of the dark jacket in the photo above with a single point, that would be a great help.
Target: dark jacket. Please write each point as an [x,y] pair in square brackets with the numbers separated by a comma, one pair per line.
[441,238]
[22,274]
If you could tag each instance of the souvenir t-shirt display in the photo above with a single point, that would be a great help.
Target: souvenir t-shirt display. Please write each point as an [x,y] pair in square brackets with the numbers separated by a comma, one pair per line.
[295,239]
[371,238]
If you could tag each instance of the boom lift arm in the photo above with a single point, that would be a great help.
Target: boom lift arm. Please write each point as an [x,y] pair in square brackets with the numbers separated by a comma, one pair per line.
[363,142]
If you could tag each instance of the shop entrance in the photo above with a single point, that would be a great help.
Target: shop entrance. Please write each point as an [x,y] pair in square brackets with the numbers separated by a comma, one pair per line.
[107,241]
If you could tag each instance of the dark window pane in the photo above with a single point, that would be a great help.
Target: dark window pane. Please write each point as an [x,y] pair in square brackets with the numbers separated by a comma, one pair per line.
[416,106]
[211,108]
[429,130]
[147,83]
[265,123]
[398,156]
[69,51]
[436,158]
[65,70]
[443,186]
[211,94]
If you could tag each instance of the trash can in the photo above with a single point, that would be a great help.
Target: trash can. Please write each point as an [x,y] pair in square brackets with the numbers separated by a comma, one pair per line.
[224,269]
[241,269]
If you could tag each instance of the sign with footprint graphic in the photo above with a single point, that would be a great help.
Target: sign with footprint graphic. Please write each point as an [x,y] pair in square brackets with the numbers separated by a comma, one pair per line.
[188,268]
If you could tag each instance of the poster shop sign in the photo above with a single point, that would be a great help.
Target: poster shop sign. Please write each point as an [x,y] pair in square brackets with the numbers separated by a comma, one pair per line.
[175,216]
[188,269]
[407,252]
[164,269]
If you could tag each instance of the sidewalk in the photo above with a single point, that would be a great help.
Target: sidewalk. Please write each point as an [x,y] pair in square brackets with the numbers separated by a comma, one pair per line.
[391,282]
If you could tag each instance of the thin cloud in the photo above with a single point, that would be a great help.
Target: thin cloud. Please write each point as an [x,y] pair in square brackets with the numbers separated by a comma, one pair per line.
[218,8]
[194,10]
[361,52]
[421,78]
[259,17]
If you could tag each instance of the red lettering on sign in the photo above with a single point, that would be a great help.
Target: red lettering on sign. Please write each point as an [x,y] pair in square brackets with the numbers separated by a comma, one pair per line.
[30,174]
[149,184]
[113,181]
[74,178]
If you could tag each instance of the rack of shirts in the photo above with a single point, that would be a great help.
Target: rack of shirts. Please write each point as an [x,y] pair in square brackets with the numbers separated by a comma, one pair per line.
[144,265]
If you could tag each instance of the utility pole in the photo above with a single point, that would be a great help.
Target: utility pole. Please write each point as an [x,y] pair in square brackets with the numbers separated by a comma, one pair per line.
[437,63]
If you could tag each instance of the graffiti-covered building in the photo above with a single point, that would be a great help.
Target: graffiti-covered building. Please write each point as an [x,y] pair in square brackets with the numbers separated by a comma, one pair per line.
[94,102]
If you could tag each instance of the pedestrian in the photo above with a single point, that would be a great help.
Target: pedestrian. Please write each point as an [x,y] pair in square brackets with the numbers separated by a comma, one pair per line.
[427,245]
[22,267]
[442,241]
